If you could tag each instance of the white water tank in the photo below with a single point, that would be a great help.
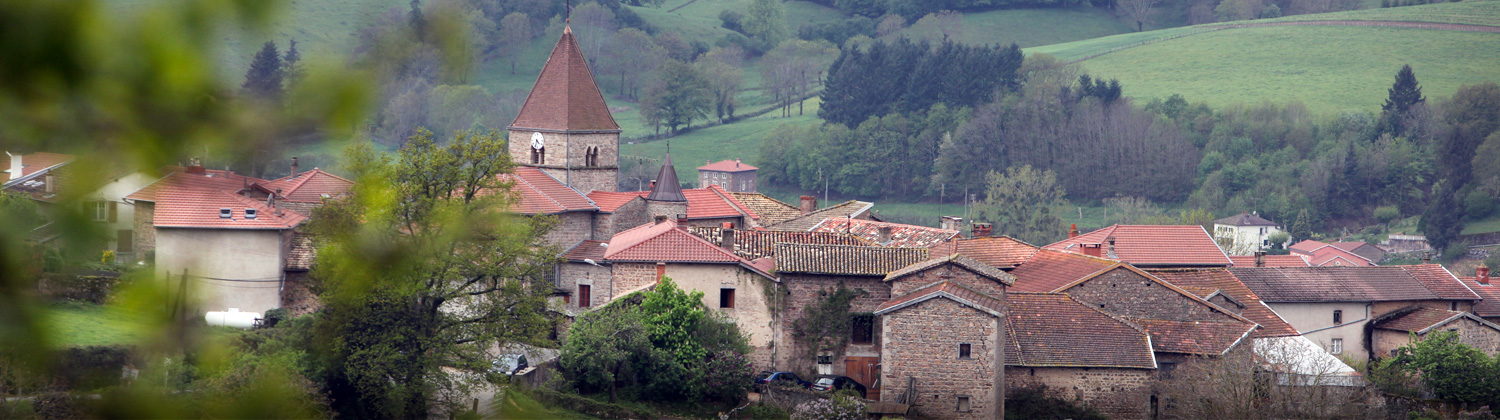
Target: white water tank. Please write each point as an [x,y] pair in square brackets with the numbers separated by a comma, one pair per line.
[232,318]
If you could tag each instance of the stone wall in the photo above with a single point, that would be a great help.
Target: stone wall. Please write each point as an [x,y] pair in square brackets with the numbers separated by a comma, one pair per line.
[145,228]
[1116,393]
[568,150]
[571,228]
[922,342]
[1126,293]
[630,276]
[671,209]
[1381,308]
[803,290]
[949,272]
[1470,332]
[630,215]
[573,274]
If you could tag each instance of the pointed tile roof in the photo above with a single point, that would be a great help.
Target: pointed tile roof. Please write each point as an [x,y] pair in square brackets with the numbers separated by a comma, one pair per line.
[666,187]
[565,97]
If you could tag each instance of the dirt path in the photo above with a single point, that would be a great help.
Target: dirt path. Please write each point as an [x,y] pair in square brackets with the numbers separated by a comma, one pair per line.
[1367,23]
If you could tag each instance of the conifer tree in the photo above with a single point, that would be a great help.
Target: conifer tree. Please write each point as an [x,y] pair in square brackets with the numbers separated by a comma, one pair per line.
[291,64]
[263,80]
[1302,227]
[1404,94]
[1443,220]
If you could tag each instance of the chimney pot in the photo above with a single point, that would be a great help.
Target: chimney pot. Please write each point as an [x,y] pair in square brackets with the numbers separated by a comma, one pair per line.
[809,204]
[1482,275]
[1091,250]
[294,167]
[15,165]
[682,219]
[980,230]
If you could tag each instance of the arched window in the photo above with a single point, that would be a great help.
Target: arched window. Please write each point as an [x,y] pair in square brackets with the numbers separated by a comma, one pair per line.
[538,156]
[591,158]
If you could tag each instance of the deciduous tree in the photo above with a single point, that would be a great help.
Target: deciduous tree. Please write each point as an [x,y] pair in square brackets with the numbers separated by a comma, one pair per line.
[765,23]
[1019,203]
[515,32]
[677,95]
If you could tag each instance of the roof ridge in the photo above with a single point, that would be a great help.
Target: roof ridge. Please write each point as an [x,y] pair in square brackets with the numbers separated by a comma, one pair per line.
[724,194]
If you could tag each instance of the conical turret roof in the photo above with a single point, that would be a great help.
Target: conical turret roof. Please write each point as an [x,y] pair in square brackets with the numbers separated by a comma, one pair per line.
[565,97]
[666,188]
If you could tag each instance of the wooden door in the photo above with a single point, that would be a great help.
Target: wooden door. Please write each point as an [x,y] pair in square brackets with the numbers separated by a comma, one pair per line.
[864,370]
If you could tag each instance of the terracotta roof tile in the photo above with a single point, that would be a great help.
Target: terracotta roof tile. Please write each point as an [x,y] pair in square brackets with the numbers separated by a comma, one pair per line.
[1245,219]
[901,235]
[962,261]
[539,193]
[310,186]
[1440,281]
[754,244]
[609,202]
[665,242]
[1154,245]
[703,203]
[808,221]
[845,260]
[953,291]
[588,249]
[1415,319]
[770,210]
[185,200]
[1225,282]
[1271,260]
[33,163]
[1200,338]
[1344,284]
[565,97]
[1047,270]
[1490,306]
[727,165]
[1306,246]
[1053,329]
[997,251]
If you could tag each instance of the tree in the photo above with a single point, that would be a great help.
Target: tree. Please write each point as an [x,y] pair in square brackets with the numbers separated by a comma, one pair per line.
[1486,164]
[1405,93]
[1302,227]
[1019,203]
[596,24]
[1139,11]
[1454,371]
[634,56]
[515,32]
[420,269]
[600,344]
[1267,378]
[678,95]
[291,64]
[721,66]
[263,80]
[765,23]
[1472,114]
[1443,220]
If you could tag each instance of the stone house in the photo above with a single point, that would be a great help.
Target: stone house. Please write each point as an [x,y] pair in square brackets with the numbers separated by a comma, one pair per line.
[1245,233]
[1482,284]
[731,175]
[1078,353]
[1414,323]
[1335,306]
[947,341]
[1002,252]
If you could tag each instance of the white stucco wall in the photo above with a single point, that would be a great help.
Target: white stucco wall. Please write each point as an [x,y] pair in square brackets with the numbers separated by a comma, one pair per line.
[252,257]
[752,308]
[115,191]
[1243,240]
[1315,321]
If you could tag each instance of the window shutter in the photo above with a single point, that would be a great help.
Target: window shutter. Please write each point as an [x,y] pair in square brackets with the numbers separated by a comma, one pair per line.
[113,211]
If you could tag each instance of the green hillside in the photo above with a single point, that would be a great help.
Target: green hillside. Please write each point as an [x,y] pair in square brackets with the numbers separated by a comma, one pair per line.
[739,140]
[1033,27]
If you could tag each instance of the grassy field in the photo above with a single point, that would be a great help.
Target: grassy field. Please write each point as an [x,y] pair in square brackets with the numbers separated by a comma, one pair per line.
[1033,27]
[1491,224]
[739,140]
[1470,12]
[91,325]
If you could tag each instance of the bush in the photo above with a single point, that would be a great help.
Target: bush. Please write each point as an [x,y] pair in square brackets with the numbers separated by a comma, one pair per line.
[1478,204]
[730,20]
[275,316]
[837,408]
[1385,214]
[91,367]
[1033,403]
[590,407]
[1455,251]
[766,412]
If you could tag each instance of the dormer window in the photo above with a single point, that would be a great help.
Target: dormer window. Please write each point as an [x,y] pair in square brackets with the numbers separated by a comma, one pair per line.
[226,213]
[250,213]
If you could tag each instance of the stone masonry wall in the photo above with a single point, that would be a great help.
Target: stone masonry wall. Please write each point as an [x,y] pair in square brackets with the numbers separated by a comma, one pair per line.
[1116,393]
[1381,308]
[572,274]
[803,290]
[1125,293]
[922,342]
[630,215]
[949,272]
[571,228]
[1470,332]
[631,276]
[145,228]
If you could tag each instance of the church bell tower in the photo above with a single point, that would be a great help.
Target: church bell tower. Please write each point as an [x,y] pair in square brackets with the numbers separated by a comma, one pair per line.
[565,128]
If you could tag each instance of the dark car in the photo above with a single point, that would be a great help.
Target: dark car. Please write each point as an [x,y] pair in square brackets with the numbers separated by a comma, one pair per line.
[788,378]
[830,383]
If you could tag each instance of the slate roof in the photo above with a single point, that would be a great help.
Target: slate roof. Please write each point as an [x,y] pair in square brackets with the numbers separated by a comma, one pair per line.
[1188,337]
[1053,329]
[703,203]
[1223,281]
[1350,284]
[753,244]
[844,259]
[952,291]
[1422,320]
[1002,252]
[565,97]
[844,210]
[1154,245]
[1245,219]
[770,210]
[1271,260]
[666,187]
[539,193]
[962,261]
[1490,306]
[1048,269]
[310,186]
[188,200]
[727,166]
[901,235]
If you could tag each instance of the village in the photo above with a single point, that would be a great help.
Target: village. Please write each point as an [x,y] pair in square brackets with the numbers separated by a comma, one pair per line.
[947,322]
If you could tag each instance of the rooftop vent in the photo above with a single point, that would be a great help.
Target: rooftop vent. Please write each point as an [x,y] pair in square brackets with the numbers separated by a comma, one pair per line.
[225,213]
[249,213]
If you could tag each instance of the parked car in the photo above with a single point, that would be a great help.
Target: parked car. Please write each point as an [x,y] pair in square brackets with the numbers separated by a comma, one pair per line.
[766,377]
[830,383]
[509,364]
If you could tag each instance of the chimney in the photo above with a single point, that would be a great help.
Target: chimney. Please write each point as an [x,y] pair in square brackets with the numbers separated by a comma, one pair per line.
[15,165]
[1482,275]
[294,167]
[1260,258]
[1073,230]
[981,230]
[681,219]
[809,204]
[49,183]
[1091,250]
[736,163]
[661,218]
[650,187]
[1426,258]
[884,235]
[1111,251]
[726,239]
[195,166]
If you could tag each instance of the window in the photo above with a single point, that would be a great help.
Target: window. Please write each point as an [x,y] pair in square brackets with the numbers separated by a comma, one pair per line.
[1338,317]
[963,350]
[1164,369]
[1337,347]
[1453,306]
[538,155]
[963,404]
[825,359]
[862,329]
[726,298]
[583,295]
[97,210]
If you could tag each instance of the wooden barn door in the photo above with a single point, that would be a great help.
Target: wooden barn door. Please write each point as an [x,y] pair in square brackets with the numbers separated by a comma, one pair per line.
[864,370]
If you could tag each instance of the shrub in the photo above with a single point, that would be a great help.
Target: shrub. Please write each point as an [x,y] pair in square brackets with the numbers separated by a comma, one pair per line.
[1033,403]
[837,408]
[275,316]
[1478,204]
[766,412]
[1385,214]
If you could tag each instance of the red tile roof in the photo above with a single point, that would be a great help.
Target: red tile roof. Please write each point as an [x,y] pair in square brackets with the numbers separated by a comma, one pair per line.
[310,186]
[609,202]
[753,244]
[1223,281]
[844,210]
[901,235]
[1490,306]
[1188,337]
[1307,246]
[33,163]
[959,260]
[997,251]
[727,166]
[845,260]
[1047,270]
[703,203]
[1245,219]
[1053,329]
[565,97]
[949,290]
[1442,282]
[185,200]
[1421,320]
[1271,260]
[539,193]
[1154,245]
[1347,284]
[665,242]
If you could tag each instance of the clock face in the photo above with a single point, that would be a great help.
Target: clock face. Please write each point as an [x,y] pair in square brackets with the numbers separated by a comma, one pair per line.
[536,141]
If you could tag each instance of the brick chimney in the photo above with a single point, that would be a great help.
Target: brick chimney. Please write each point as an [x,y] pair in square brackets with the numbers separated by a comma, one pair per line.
[1260,258]
[196,167]
[1482,275]
[1092,250]
[1073,230]
[981,230]
[1426,258]
[726,239]
[294,167]
[681,219]
[809,204]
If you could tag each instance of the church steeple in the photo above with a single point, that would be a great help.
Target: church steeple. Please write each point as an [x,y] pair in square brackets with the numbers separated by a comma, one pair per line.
[565,96]
[666,187]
